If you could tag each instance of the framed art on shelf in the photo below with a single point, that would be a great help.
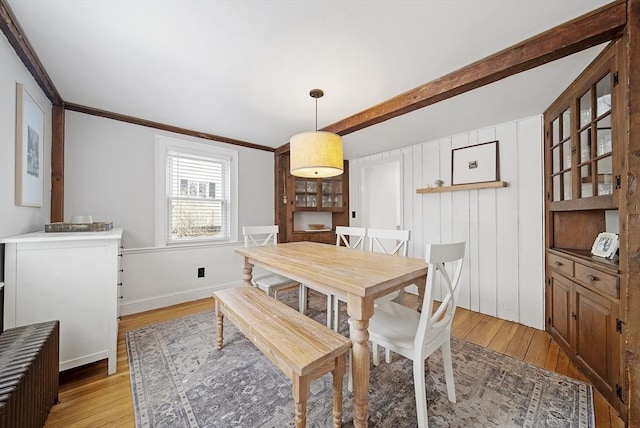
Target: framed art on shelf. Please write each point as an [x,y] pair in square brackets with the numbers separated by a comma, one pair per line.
[29,149]
[605,245]
[475,164]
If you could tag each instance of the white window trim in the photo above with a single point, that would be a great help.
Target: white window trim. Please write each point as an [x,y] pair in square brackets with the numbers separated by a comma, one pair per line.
[165,144]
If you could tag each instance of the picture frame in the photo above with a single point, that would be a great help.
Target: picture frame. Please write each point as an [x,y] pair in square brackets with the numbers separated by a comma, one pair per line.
[475,164]
[29,149]
[605,245]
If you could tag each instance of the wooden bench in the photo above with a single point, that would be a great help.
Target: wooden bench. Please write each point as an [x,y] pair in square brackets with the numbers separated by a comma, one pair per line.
[302,348]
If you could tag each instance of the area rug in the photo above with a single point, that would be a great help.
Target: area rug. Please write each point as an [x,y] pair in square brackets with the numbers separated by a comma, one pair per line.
[180,379]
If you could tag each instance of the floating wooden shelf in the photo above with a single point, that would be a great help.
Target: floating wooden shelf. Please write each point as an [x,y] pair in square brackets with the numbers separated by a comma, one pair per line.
[470,186]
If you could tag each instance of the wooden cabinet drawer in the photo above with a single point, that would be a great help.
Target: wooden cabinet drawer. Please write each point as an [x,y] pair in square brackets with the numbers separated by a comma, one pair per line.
[322,237]
[560,264]
[597,279]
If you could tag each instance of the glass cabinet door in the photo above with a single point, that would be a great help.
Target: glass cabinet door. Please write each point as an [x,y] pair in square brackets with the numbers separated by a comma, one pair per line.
[561,156]
[596,162]
[306,193]
[331,193]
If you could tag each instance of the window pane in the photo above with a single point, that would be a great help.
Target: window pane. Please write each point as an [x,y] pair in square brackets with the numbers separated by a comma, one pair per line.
[586,180]
[566,124]
[584,104]
[604,136]
[605,177]
[566,152]
[603,95]
[567,185]
[556,159]
[585,145]
[197,208]
[556,188]
[555,131]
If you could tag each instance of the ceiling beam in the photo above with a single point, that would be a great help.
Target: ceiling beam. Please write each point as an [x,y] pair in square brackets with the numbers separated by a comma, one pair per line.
[157,125]
[591,29]
[17,39]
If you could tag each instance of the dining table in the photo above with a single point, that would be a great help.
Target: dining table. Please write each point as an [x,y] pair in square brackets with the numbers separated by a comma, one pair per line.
[355,276]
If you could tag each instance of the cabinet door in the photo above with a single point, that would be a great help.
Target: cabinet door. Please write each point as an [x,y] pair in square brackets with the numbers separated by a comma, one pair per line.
[595,162]
[74,282]
[561,146]
[306,193]
[596,339]
[561,313]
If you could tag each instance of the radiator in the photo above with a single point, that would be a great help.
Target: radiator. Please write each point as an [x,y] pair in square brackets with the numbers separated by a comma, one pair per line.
[29,362]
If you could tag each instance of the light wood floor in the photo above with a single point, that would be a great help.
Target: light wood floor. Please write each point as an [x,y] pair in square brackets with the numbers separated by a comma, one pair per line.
[90,398]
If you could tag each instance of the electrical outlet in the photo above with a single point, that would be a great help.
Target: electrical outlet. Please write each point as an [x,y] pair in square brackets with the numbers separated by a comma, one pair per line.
[201,272]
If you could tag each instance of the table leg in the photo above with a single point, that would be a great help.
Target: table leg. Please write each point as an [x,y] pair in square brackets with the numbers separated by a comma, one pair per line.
[247,271]
[360,311]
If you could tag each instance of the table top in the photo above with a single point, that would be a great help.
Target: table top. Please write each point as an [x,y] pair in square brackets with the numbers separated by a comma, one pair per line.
[362,273]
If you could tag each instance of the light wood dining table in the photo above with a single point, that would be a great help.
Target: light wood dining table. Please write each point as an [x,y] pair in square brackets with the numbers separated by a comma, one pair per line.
[355,276]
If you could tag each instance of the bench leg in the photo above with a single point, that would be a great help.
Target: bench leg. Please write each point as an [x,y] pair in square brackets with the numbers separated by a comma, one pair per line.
[300,388]
[338,375]
[219,325]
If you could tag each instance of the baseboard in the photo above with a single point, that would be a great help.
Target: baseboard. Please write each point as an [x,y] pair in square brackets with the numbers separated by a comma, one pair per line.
[157,302]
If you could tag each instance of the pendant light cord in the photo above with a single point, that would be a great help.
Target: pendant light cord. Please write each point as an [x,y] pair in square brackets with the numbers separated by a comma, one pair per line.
[316,114]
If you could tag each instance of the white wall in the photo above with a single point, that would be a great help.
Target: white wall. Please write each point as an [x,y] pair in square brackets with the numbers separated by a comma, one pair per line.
[14,219]
[110,174]
[503,274]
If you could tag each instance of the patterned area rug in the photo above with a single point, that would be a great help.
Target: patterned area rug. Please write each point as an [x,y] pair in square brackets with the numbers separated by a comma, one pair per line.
[180,379]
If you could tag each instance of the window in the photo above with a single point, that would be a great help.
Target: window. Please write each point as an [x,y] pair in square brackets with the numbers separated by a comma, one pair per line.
[196,197]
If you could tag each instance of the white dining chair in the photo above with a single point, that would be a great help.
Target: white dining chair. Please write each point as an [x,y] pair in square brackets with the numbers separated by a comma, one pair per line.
[388,241]
[270,283]
[350,237]
[416,335]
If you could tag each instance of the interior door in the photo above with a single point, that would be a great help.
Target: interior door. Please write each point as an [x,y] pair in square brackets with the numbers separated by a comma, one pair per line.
[381,194]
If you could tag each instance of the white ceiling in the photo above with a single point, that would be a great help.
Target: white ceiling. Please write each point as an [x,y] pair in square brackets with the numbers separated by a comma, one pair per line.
[243,69]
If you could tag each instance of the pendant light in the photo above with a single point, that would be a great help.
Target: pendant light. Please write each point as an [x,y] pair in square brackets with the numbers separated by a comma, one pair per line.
[316,154]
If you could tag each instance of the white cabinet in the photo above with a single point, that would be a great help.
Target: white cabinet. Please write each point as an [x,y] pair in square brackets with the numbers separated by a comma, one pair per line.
[71,277]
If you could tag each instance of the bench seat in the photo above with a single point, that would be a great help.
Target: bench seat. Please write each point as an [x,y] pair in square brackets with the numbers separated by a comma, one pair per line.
[300,347]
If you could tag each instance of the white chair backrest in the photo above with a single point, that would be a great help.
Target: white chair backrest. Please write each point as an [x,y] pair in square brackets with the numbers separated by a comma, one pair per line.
[388,241]
[260,235]
[355,234]
[433,323]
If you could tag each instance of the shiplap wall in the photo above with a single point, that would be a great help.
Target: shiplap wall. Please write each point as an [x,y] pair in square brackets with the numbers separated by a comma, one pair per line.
[503,273]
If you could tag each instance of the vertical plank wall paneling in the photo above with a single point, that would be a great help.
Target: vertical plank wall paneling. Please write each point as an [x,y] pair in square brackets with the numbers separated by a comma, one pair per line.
[503,274]
[531,224]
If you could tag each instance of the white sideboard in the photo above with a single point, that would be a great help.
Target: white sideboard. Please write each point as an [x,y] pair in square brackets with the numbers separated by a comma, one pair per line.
[71,277]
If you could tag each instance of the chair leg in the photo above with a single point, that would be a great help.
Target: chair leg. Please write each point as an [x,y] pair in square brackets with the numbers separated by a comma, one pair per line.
[387,355]
[448,370]
[330,310]
[336,313]
[349,371]
[421,393]
[375,354]
[219,326]
[302,299]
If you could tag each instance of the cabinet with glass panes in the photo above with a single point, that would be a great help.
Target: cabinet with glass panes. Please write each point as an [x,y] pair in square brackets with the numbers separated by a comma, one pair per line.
[318,194]
[582,180]
[580,144]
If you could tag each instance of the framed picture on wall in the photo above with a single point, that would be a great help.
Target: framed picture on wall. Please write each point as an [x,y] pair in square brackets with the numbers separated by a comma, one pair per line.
[475,164]
[29,149]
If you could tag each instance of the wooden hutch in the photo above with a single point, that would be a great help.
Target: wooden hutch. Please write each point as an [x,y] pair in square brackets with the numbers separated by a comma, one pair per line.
[584,174]
[299,199]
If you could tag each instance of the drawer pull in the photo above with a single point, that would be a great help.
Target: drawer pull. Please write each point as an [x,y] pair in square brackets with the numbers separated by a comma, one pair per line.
[592,278]
[574,315]
[558,264]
